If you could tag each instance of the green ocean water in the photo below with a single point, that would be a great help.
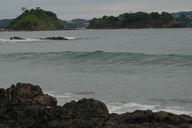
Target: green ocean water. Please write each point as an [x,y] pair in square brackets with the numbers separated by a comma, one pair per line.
[127,69]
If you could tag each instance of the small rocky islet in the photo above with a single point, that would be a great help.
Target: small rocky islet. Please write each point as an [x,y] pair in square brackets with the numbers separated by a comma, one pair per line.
[46,38]
[35,20]
[26,106]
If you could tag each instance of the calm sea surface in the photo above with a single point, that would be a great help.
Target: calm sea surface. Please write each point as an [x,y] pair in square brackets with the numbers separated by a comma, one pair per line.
[126,69]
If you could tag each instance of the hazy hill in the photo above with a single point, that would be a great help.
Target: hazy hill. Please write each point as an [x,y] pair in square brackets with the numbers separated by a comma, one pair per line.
[36,19]
[176,14]
[78,20]
[4,23]
[184,18]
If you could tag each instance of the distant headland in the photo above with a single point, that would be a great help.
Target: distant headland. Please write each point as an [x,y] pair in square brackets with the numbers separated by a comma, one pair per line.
[36,19]
[140,20]
[39,19]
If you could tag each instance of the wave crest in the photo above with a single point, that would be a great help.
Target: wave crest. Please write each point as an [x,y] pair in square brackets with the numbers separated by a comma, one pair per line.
[101,58]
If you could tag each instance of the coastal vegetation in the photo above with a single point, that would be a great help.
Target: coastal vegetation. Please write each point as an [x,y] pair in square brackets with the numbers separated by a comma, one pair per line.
[39,19]
[136,20]
[36,19]
[184,20]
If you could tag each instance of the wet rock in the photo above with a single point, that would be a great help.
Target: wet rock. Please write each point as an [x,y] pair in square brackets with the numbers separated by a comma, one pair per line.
[25,93]
[54,38]
[16,38]
[85,113]
[3,96]
[88,109]
[25,106]
[148,119]
[46,100]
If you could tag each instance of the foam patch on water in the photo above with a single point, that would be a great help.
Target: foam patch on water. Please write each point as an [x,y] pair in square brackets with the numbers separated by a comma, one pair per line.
[71,38]
[117,107]
[20,41]
[128,107]
[3,41]
[131,107]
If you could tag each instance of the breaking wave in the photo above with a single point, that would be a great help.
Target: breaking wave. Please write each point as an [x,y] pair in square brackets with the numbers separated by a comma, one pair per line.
[101,58]
[28,40]
[132,106]
[117,107]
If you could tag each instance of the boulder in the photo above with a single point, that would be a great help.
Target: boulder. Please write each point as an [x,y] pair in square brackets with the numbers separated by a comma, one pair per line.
[149,119]
[46,100]
[3,96]
[25,106]
[16,38]
[88,109]
[54,38]
[25,93]
[85,113]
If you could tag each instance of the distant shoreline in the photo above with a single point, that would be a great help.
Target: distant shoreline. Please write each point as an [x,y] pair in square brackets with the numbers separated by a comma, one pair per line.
[92,29]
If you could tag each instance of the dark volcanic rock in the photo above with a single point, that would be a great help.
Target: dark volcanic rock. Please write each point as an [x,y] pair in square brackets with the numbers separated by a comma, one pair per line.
[3,96]
[16,38]
[45,100]
[148,119]
[54,38]
[28,94]
[25,106]
[88,109]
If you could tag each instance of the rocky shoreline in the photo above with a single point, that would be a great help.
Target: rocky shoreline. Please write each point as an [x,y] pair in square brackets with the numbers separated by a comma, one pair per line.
[25,106]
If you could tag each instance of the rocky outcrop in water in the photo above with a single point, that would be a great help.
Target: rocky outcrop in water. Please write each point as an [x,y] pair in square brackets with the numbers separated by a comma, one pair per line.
[25,106]
[16,38]
[54,38]
[46,38]
[26,94]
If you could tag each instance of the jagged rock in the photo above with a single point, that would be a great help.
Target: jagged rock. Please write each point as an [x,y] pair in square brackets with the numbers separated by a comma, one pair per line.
[148,119]
[25,106]
[3,96]
[88,108]
[46,100]
[24,93]
[54,38]
[16,38]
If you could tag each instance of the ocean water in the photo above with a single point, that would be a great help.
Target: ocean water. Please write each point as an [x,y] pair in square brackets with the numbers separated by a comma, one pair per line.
[126,69]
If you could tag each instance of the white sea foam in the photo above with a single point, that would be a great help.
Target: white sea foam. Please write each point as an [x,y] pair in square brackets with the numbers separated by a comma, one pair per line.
[64,97]
[131,107]
[128,107]
[71,38]
[56,95]
[20,41]
[9,41]
[117,107]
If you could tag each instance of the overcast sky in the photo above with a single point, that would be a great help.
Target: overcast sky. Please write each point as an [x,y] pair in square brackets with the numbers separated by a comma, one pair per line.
[69,9]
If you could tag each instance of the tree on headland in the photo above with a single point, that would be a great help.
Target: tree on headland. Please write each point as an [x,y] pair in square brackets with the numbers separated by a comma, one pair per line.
[38,8]
[23,9]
